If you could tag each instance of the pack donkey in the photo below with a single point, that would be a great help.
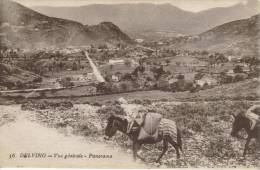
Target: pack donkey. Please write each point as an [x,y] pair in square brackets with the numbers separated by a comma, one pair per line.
[242,122]
[168,132]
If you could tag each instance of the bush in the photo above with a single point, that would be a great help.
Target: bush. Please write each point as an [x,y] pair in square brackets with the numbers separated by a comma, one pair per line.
[221,148]
[226,79]
[238,69]
[85,128]
[66,82]
[37,80]
[239,77]
[42,105]
[125,87]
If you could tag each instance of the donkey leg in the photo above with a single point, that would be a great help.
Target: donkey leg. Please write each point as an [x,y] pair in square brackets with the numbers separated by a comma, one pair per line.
[134,150]
[176,147]
[246,145]
[165,148]
[138,147]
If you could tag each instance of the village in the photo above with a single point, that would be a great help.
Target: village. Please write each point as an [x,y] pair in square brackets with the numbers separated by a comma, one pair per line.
[129,68]
[131,85]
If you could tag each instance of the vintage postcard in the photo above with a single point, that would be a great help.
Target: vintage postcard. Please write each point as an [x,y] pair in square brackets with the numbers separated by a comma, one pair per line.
[129,84]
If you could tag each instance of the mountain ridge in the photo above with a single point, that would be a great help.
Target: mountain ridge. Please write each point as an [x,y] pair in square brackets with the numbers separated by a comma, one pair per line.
[147,16]
[240,36]
[24,28]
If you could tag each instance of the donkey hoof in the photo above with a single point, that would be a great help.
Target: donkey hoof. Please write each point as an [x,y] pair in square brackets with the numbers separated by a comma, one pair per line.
[157,163]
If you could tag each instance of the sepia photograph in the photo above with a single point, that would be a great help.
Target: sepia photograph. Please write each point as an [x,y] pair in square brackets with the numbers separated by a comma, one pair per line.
[129,84]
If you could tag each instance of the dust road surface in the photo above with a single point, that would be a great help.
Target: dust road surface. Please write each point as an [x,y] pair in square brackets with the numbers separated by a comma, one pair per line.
[23,136]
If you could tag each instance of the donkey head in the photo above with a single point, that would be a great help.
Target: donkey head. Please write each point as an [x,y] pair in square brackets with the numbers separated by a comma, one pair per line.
[240,122]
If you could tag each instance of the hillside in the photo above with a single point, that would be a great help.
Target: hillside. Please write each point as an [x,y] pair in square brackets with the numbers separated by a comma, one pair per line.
[12,78]
[239,36]
[23,27]
[108,32]
[208,19]
[244,90]
[142,17]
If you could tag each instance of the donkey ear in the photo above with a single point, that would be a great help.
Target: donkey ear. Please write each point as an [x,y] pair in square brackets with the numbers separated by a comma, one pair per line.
[235,114]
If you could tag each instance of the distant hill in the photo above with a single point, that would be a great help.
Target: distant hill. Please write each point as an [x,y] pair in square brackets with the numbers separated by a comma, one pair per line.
[23,27]
[136,18]
[208,19]
[239,36]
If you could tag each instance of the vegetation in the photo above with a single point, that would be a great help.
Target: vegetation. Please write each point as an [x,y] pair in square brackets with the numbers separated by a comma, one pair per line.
[205,129]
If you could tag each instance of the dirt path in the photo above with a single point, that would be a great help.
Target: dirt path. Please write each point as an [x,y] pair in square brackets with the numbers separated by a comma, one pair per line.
[24,136]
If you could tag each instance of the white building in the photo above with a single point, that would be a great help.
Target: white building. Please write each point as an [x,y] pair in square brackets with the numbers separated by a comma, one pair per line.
[116,61]
[206,80]
[139,40]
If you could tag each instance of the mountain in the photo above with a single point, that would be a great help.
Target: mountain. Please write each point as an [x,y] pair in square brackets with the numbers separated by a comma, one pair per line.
[23,27]
[240,36]
[208,19]
[131,18]
[142,17]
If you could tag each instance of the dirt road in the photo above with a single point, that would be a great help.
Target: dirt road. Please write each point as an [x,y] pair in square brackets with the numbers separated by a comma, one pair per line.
[23,136]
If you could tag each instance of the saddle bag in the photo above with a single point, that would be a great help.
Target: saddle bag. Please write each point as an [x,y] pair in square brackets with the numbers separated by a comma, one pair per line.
[149,130]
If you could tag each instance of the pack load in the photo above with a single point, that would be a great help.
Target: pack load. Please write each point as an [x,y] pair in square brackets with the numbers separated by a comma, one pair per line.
[149,130]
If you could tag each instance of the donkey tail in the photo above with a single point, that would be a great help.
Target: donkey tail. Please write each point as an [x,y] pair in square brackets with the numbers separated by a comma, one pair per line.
[179,141]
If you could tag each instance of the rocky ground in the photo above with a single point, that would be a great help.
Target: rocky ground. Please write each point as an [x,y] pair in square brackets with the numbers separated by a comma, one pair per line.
[205,126]
[26,135]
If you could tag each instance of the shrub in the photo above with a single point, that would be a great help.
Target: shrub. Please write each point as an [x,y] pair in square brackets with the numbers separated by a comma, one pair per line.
[42,105]
[86,128]
[97,104]
[37,80]
[221,148]
[226,79]
[238,77]
[66,82]
[125,87]
[238,69]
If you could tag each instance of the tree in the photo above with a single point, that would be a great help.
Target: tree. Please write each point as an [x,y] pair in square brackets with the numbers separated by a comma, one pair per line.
[66,82]
[238,69]
[74,66]
[251,61]
[198,76]
[124,87]
[180,77]
[127,62]
[158,72]
[167,62]
[111,66]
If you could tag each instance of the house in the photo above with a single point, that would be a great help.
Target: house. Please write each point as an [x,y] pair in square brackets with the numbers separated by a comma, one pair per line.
[134,63]
[115,78]
[160,43]
[207,80]
[234,58]
[116,61]
[139,40]
[172,80]
[230,72]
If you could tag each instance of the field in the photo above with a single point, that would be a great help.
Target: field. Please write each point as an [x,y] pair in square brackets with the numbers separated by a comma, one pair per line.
[205,127]
[204,118]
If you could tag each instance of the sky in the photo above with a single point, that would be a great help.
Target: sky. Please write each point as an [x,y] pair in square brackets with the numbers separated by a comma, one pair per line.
[189,5]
